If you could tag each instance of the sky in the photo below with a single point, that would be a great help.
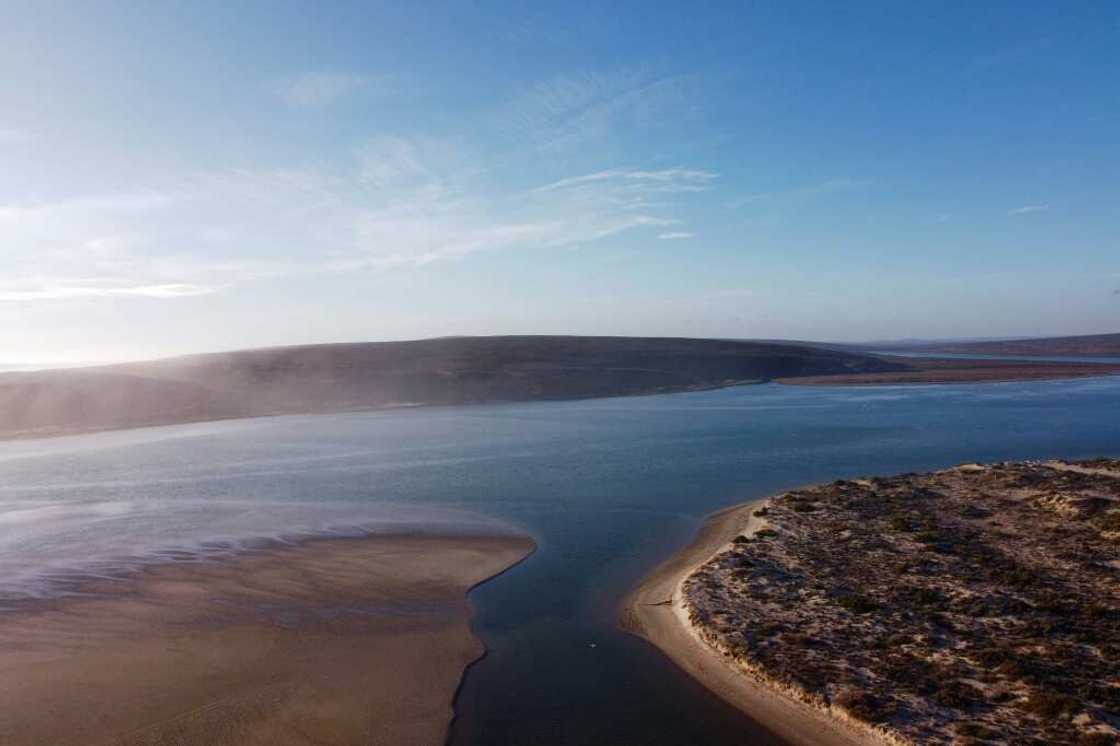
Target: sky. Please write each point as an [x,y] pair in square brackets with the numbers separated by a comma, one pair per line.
[186,177]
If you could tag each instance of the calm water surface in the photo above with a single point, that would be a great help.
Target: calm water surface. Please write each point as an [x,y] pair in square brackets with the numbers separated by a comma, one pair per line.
[608,488]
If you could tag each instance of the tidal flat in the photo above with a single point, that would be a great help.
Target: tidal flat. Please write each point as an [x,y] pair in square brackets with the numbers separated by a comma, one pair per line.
[357,640]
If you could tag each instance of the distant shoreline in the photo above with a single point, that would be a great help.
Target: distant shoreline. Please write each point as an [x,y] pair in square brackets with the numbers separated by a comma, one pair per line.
[961,371]
[68,432]
[931,371]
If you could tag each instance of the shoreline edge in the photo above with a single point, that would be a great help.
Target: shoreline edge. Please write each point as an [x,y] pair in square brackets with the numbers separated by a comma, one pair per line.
[654,611]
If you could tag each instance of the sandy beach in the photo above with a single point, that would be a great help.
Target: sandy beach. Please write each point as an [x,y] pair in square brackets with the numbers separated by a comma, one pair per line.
[335,641]
[654,612]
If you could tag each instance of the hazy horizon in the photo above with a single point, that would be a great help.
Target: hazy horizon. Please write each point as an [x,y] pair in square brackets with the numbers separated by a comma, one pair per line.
[183,179]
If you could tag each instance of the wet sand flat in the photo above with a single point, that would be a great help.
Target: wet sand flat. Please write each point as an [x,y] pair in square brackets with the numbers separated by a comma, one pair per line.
[331,642]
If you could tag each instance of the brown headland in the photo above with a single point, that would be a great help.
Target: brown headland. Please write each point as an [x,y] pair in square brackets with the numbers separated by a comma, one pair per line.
[332,641]
[315,379]
[1083,345]
[318,379]
[954,370]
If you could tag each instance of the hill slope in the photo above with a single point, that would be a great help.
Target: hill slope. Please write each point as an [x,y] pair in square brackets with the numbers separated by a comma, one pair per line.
[350,377]
[1080,346]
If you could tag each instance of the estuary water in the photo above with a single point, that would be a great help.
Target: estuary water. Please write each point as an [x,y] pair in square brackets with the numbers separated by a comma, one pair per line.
[607,487]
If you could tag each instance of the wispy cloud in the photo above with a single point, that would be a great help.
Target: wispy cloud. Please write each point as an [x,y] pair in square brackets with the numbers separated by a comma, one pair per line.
[665,180]
[106,204]
[675,236]
[433,216]
[1027,209]
[401,202]
[830,186]
[317,90]
[143,244]
[398,202]
[566,114]
[64,292]
[12,136]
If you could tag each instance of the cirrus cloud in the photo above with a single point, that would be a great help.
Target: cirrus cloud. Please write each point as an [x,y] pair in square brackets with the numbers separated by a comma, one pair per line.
[396,204]
[317,90]
[68,292]
[1027,209]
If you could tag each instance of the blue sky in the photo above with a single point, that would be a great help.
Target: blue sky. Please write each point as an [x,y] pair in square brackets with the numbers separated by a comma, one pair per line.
[178,178]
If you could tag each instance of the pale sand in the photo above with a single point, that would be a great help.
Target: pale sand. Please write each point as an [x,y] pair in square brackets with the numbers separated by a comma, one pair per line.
[343,641]
[654,611]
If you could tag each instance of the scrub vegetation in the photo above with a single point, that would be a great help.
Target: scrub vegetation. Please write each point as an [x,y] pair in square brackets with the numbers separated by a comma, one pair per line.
[979,604]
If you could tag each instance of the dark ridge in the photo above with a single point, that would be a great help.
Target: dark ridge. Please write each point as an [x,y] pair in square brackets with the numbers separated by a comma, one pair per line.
[352,377]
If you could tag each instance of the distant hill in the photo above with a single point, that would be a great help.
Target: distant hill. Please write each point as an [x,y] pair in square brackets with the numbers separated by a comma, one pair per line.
[352,377]
[1104,345]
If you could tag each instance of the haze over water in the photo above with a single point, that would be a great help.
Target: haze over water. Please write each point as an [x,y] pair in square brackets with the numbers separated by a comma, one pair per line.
[608,487]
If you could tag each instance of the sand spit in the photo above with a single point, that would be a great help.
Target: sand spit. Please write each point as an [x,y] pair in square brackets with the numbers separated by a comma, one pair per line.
[975,605]
[655,611]
[342,641]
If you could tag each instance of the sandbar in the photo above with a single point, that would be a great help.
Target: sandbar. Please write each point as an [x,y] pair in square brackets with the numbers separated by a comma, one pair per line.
[333,641]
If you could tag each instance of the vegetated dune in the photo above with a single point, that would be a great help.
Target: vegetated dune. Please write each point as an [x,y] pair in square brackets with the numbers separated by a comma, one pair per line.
[975,604]
[1084,345]
[352,377]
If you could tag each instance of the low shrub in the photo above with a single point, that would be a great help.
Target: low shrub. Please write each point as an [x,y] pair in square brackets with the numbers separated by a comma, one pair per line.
[901,523]
[975,730]
[972,511]
[1049,705]
[927,597]
[956,694]
[861,704]
[857,604]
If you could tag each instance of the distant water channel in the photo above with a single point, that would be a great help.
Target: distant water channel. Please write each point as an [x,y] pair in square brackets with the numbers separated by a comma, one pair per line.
[608,488]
